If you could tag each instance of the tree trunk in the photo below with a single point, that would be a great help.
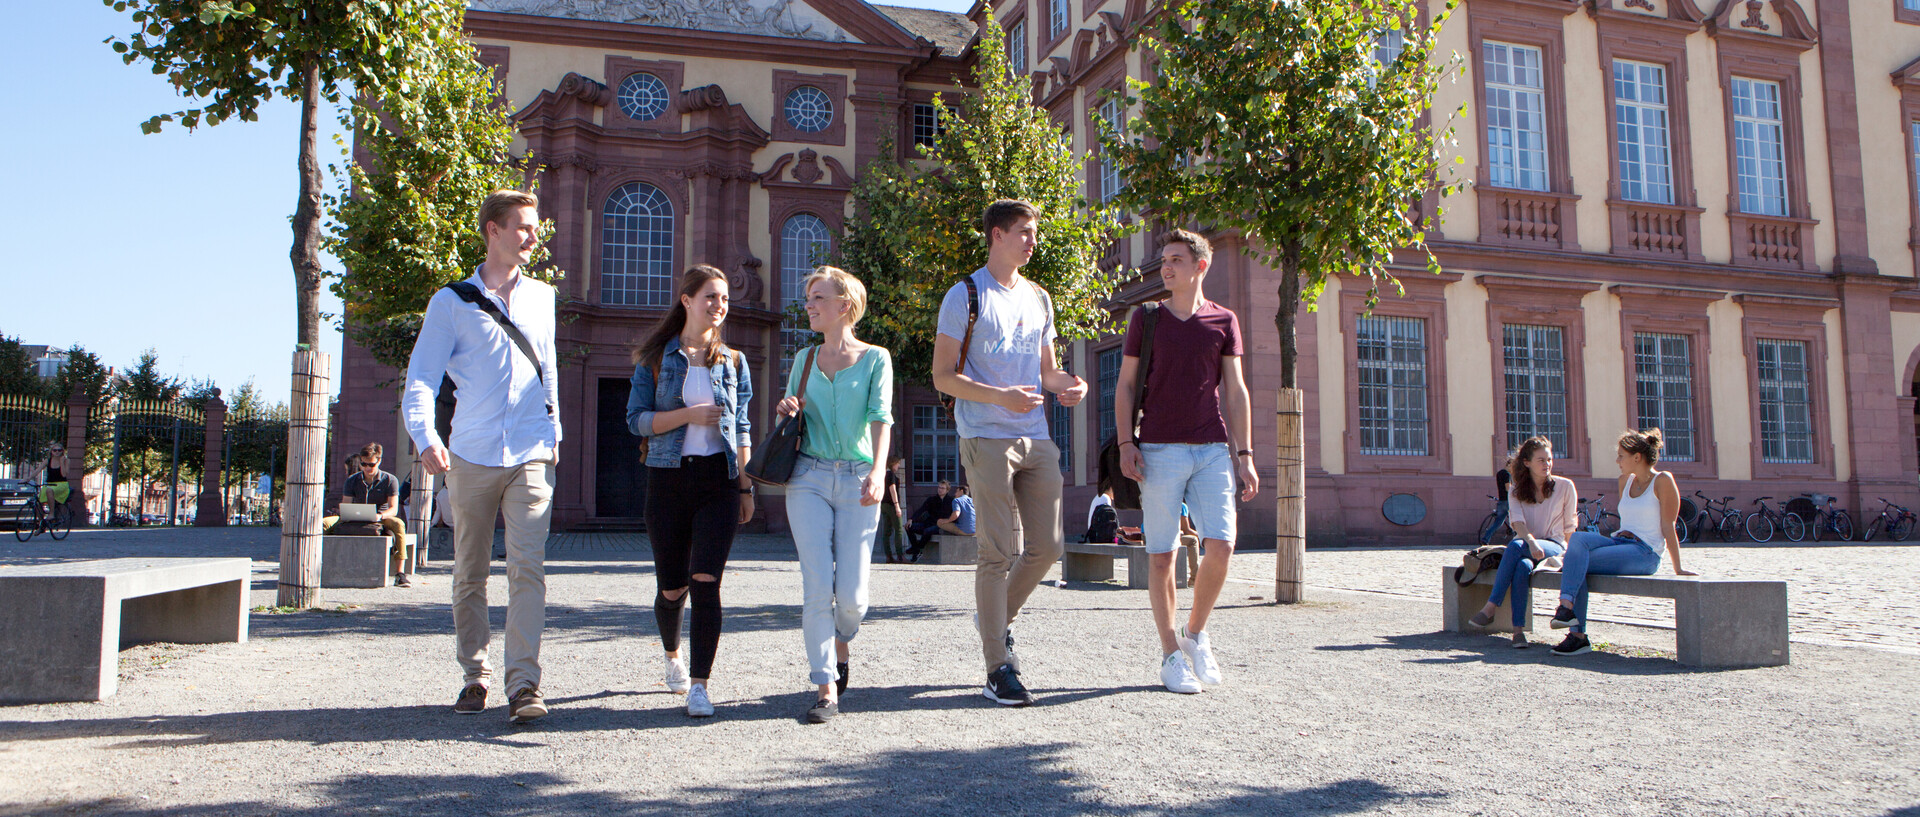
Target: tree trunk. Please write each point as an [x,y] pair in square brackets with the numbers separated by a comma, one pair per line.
[1290,521]
[307,423]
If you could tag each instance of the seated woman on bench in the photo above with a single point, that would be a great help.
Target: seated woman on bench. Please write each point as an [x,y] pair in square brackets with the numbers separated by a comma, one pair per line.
[1649,501]
[1540,509]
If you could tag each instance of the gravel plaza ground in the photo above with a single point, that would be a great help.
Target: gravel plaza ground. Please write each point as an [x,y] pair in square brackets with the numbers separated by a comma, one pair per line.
[1352,703]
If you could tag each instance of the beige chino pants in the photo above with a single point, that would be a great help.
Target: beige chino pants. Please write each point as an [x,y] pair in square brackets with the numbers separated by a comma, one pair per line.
[522,496]
[1016,500]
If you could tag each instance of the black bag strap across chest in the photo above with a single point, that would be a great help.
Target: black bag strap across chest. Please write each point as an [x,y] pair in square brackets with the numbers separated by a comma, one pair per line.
[472,294]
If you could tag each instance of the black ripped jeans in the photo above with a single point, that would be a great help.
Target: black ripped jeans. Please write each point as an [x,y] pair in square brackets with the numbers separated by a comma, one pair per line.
[692,513]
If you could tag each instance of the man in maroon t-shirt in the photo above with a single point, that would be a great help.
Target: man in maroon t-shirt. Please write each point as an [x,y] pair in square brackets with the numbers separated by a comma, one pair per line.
[1185,450]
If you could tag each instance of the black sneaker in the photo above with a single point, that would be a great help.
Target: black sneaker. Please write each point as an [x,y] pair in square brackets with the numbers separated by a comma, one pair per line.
[1563,618]
[1005,689]
[1573,644]
[472,700]
[841,684]
[822,711]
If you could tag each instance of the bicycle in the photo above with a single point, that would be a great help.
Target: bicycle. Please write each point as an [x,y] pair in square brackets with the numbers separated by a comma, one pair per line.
[1764,520]
[1897,525]
[32,518]
[1494,529]
[1722,519]
[1595,517]
[1829,519]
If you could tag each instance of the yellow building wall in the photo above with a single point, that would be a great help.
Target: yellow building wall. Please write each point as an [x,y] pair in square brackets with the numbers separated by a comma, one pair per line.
[1731,382]
[1884,143]
[1813,116]
[1470,390]
[1460,217]
[1706,116]
[1331,354]
[1588,157]
[1606,377]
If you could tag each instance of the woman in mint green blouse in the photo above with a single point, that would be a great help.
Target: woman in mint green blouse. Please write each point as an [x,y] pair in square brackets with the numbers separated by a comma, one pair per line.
[833,499]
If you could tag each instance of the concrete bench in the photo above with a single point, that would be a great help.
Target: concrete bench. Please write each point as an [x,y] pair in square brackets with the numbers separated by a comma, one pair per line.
[361,561]
[62,625]
[952,549]
[1717,622]
[1086,562]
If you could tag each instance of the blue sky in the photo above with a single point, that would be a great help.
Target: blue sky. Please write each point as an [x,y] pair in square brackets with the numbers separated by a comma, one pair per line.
[176,242]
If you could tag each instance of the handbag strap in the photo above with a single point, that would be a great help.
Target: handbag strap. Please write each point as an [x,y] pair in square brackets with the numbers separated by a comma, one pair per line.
[806,374]
[973,316]
[1150,314]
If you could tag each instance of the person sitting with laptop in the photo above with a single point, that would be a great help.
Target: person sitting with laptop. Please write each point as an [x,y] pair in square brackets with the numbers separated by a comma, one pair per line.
[372,496]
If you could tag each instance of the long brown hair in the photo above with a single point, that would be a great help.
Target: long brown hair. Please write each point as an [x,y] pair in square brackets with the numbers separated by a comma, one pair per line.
[655,346]
[1524,488]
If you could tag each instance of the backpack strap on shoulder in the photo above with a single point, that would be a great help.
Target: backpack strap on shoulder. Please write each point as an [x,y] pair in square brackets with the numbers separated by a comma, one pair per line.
[973,316]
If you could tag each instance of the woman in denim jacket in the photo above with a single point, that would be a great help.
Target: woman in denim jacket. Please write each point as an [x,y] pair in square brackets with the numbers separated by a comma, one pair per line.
[694,418]
[833,499]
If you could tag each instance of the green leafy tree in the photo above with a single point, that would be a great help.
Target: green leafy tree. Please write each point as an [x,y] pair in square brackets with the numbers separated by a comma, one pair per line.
[917,225]
[17,375]
[406,222]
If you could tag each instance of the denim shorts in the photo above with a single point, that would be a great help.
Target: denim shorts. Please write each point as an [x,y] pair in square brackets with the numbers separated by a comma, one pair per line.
[1200,476]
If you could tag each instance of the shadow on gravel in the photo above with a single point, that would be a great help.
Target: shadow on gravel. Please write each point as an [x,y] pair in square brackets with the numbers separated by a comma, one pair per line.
[594,622]
[1457,648]
[921,783]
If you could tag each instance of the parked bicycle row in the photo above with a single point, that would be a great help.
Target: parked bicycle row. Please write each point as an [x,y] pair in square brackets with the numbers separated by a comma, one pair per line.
[1807,516]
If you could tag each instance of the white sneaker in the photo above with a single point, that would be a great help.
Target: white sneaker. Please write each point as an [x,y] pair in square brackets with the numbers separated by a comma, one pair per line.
[1177,675]
[678,681]
[1200,655]
[698,704]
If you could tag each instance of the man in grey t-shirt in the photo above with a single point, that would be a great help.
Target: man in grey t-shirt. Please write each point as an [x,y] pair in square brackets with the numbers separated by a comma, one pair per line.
[1011,461]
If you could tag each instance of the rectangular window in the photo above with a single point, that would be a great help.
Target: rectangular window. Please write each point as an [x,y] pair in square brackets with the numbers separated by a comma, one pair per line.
[1759,147]
[1060,423]
[1536,385]
[1393,385]
[1786,401]
[1516,116]
[926,123]
[1645,166]
[1017,49]
[1109,378]
[1388,44]
[1057,11]
[1110,182]
[936,446]
[1910,5]
[1663,390]
[1913,144]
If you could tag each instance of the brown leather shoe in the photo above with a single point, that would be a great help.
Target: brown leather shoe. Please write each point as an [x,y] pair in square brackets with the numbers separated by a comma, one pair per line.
[472,701]
[526,704]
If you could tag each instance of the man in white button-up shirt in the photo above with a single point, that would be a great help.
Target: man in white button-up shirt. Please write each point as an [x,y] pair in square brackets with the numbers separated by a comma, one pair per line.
[505,440]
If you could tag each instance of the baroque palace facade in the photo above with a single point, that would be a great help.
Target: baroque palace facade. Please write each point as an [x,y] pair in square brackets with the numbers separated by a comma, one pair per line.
[1669,224]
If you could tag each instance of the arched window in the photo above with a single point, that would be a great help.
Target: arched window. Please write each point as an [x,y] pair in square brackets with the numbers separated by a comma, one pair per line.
[804,244]
[636,247]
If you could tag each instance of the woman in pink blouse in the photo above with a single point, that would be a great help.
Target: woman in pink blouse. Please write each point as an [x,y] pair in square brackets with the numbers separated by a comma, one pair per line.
[1541,509]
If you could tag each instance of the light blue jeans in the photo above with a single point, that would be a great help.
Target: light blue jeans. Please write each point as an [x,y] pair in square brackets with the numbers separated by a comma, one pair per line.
[1589,553]
[1516,571]
[834,535]
[1201,476]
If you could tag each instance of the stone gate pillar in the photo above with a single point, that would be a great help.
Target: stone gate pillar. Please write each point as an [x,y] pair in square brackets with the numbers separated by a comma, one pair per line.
[211,512]
[79,407]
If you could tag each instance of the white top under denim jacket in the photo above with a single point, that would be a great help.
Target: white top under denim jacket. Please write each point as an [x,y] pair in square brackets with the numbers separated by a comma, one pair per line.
[507,415]
[732,392]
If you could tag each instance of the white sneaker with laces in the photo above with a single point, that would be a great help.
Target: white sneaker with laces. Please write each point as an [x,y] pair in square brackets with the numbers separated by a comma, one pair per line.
[698,704]
[678,681]
[1200,655]
[1177,675]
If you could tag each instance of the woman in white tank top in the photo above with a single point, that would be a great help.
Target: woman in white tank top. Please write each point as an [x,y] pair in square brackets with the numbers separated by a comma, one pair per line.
[1649,501]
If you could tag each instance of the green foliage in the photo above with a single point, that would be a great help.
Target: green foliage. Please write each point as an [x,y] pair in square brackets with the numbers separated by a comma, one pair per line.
[405,223]
[1271,118]
[918,224]
[144,381]
[17,374]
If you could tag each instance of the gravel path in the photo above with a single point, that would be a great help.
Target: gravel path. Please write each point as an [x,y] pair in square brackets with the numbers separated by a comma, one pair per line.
[1349,704]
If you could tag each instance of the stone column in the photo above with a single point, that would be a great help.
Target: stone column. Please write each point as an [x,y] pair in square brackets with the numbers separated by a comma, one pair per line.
[1876,432]
[79,410]
[211,512]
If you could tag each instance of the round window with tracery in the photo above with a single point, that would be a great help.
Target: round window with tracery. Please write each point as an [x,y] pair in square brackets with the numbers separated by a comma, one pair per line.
[809,110]
[643,97]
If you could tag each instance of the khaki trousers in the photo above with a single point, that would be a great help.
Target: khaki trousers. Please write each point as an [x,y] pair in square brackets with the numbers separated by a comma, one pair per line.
[1016,500]
[522,495]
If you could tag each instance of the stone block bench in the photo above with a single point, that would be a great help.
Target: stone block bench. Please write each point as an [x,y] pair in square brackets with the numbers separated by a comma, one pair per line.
[361,561]
[62,625]
[1085,562]
[1717,622]
[951,549]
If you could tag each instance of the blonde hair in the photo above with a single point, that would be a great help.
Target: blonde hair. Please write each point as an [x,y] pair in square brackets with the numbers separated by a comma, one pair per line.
[499,202]
[845,285]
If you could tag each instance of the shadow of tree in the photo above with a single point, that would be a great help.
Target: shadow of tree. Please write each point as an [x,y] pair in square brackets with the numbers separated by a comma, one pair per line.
[1458,648]
[578,622]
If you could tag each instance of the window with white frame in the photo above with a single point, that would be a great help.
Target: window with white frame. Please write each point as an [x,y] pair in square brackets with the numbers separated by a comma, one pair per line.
[1388,45]
[643,97]
[1057,11]
[1786,401]
[636,247]
[1110,182]
[1910,5]
[926,124]
[804,244]
[1663,390]
[936,446]
[1536,385]
[808,109]
[1641,135]
[1060,424]
[1516,103]
[1109,379]
[1392,354]
[1759,147]
[1017,49]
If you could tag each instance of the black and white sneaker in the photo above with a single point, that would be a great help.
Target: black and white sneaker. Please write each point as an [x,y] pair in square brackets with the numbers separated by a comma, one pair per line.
[1563,618]
[1573,644]
[1005,689]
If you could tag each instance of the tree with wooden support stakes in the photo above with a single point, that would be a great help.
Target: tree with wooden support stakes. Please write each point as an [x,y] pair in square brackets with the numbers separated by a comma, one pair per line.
[229,56]
[1295,124]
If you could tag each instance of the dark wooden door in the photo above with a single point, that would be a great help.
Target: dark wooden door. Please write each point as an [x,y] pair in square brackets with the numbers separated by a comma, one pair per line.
[620,479]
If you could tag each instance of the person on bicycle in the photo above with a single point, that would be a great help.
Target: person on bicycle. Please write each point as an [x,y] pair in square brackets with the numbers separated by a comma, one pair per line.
[1649,503]
[54,489]
[1540,509]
